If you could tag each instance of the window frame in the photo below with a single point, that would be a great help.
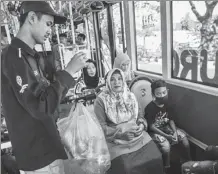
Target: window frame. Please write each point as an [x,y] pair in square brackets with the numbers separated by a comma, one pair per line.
[167,48]
[122,25]
[120,6]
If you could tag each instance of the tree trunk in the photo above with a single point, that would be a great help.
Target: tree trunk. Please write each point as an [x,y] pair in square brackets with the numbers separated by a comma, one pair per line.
[208,28]
[208,32]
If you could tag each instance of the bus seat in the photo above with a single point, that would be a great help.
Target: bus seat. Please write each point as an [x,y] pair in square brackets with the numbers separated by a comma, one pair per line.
[141,87]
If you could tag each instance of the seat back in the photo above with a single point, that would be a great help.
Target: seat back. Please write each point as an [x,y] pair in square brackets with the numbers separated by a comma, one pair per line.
[141,87]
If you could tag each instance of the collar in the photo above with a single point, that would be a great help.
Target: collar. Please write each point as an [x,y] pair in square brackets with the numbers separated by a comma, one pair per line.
[16,42]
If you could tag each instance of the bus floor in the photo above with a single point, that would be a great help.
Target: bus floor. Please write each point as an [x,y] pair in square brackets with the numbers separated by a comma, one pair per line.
[75,169]
[176,160]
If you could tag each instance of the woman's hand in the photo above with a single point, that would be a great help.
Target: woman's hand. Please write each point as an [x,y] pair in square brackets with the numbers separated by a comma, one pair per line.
[169,137]
[140,129]
[175,137]
[172,139]
[128,136]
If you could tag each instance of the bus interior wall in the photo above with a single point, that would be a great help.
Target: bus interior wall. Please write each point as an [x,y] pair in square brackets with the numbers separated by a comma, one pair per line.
[195,112]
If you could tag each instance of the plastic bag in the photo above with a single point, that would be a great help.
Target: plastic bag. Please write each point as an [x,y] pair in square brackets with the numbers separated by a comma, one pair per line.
[84,140]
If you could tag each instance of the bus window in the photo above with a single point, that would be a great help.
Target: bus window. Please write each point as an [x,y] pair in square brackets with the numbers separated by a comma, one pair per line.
[148,36]
[195,40]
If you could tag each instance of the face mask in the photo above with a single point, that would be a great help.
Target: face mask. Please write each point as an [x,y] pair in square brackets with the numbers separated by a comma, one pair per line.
[162,100]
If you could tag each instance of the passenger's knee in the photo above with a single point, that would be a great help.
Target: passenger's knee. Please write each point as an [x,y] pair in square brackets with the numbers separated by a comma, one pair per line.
[185,142]
[165,147]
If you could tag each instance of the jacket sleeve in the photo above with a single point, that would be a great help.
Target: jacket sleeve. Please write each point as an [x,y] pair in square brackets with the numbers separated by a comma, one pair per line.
[38,99]
[99,109]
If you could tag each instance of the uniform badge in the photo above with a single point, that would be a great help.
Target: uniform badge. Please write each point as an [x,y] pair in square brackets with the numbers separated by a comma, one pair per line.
[36,73]
[19,82]
[19,52]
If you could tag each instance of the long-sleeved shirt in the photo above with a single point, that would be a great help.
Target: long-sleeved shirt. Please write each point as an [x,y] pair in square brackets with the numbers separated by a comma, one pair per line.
[29,102]
[111,131]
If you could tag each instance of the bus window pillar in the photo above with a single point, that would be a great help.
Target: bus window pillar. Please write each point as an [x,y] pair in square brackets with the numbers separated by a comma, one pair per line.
[97,43]
[111,33]
[130,31]
[166,37]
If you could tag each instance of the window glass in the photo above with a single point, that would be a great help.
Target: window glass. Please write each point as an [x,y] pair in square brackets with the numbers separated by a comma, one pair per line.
[195,41]
[148,36]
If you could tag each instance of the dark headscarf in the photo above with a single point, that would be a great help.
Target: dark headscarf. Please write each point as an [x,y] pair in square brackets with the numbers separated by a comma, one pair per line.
[90,82]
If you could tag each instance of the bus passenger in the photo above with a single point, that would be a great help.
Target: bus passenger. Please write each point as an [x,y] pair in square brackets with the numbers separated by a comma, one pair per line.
[91,79]
[81,38]
[161,125]
[56,51]
[90,75]
[29,100]
[131,148]
[122,61]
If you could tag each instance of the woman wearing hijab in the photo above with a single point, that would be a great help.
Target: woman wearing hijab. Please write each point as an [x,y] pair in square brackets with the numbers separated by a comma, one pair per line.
[90,75]
[122,61]
[131,148]
[90,80]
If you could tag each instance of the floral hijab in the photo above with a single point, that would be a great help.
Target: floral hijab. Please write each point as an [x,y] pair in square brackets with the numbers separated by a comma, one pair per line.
[119,107]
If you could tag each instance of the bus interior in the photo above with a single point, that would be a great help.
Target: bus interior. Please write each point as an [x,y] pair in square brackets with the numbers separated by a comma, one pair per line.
[176,41]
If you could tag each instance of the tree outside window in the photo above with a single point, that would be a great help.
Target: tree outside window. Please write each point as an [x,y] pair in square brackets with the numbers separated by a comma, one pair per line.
[195,41]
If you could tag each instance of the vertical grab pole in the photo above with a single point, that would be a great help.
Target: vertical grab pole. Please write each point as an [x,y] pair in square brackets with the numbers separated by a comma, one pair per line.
[91,48]
[87,35]
[71,21]
[59,47]
[97,43]
[57,33]
[61,51]
[59,6]
[122,26]
[8,33]
[111,34]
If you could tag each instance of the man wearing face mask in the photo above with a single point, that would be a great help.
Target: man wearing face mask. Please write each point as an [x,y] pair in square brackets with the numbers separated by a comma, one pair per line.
[161,126]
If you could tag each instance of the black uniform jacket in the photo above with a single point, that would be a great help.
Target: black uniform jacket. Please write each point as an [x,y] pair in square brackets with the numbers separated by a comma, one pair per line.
[29,102]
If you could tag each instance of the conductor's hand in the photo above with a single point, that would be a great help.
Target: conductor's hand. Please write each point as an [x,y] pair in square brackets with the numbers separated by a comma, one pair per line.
[76,63]
[139,130]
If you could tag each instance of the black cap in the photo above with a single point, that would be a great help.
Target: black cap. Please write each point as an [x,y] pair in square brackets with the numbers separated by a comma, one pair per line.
[43,7]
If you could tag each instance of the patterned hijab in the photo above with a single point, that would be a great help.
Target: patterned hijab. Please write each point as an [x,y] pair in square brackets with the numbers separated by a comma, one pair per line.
[119,107]
[119,60]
